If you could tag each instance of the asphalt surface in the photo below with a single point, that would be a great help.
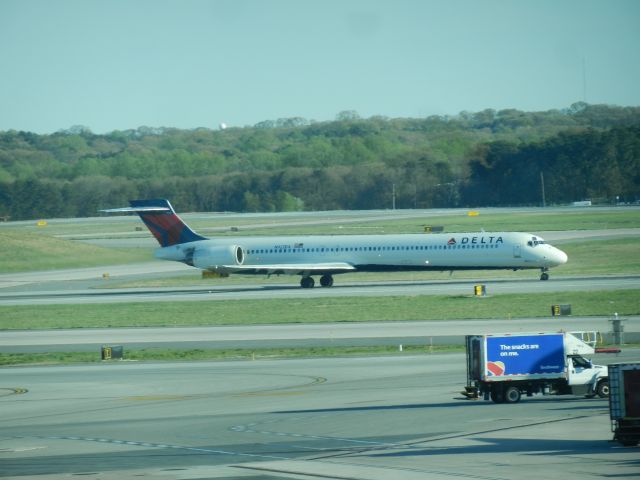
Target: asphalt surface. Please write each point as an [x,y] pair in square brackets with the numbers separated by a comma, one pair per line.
[444,332]
[43,296]
[347,418]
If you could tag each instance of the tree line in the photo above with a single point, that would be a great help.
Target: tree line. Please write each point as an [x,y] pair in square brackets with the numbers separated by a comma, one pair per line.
[603,166]
[472,159]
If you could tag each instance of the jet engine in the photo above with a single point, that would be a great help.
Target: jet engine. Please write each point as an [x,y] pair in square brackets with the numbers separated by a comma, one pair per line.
[217,258]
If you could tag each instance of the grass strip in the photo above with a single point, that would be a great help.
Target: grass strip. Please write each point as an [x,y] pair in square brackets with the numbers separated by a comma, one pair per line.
[194,355]
[21,252]
[458,220]
[516,221]
[317,310]
[172,355]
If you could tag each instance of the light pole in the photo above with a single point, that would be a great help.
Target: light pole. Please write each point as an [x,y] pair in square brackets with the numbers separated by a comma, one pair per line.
[393,196]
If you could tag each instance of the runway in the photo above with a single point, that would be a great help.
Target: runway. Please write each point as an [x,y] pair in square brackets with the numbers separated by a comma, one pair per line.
[47,296]
[444,332]
[358,418]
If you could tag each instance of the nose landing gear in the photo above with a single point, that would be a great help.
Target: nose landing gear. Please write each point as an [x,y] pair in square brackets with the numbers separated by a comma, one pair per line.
[544,275]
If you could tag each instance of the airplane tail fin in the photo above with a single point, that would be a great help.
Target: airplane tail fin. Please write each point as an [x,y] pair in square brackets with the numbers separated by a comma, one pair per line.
[161,220]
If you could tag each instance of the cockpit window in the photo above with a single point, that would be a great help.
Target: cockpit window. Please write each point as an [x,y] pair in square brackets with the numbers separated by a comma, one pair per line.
[535,241]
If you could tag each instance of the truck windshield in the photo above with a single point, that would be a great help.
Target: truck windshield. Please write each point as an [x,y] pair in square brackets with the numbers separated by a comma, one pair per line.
[579,362]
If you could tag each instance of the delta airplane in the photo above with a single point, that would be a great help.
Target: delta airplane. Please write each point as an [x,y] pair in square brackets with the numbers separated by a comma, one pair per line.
[328,255]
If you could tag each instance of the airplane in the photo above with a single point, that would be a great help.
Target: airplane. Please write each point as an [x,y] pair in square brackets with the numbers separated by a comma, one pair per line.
[328,255]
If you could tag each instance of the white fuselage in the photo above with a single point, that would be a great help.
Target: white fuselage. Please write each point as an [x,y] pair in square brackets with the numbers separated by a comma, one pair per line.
[450,251]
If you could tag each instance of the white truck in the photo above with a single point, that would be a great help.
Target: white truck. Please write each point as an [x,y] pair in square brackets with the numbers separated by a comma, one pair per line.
[624,403]
[504,367]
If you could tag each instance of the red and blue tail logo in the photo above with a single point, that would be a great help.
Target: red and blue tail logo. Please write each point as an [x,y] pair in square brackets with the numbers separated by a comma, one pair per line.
[163,223]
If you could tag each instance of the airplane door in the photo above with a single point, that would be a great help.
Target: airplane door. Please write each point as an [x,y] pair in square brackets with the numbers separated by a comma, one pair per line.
[517,253]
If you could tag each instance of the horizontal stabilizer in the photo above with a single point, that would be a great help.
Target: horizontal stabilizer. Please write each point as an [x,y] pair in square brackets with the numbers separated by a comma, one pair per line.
[136,209]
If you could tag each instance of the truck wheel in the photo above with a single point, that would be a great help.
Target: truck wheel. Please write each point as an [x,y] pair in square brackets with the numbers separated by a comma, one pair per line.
[603,389]
[628,441]
[497,394]
[512,395]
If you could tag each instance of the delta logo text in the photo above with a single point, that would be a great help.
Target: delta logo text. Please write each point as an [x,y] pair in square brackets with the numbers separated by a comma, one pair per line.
[491,240]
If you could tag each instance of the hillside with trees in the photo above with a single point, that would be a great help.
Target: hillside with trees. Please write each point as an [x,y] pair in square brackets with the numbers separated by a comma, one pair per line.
[471,159]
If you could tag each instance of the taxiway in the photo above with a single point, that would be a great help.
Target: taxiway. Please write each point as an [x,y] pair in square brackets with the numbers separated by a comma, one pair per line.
[358,418]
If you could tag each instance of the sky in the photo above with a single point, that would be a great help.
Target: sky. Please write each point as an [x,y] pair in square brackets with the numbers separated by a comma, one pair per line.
[121,64]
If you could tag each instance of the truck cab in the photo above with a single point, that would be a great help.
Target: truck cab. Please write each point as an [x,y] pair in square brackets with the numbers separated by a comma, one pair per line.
[585,378]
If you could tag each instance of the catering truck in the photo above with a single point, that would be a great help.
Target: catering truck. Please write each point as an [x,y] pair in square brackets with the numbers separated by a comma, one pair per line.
[504,367]
[624,402]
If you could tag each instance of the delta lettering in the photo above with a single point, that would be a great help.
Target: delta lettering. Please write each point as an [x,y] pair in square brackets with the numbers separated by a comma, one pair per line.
[477,240]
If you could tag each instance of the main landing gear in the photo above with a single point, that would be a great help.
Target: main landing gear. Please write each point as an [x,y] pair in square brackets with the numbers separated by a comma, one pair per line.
[308,282]
[544,275]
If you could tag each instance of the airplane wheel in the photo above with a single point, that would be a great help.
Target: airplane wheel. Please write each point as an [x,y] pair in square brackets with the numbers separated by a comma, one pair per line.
[307,282]
[544,276]
[326,281]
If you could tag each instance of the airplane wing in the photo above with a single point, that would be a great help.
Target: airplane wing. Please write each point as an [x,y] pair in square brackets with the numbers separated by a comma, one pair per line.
[292,268]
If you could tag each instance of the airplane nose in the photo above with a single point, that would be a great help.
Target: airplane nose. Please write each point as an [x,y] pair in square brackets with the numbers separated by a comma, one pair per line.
[560,257]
